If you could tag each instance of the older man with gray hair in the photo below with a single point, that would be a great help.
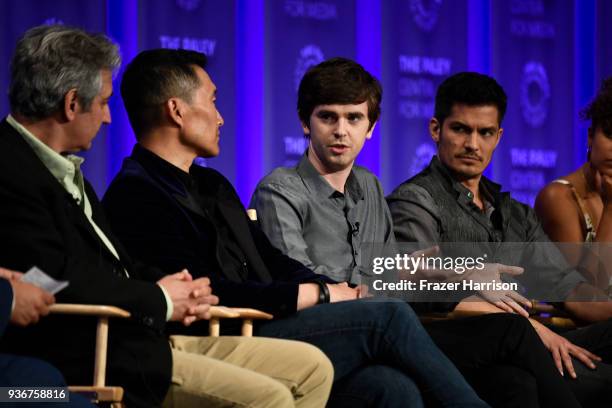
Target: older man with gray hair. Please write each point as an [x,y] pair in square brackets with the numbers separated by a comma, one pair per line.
[61,82]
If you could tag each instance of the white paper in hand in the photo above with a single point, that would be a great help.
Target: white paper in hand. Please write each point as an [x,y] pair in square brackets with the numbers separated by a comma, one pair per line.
[38,278]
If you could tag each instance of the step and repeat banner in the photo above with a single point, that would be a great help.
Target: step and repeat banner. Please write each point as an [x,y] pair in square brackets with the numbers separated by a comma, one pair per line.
[423,42]
[530,49]
[206,26]
[603,41]
[298,35]
[532,57]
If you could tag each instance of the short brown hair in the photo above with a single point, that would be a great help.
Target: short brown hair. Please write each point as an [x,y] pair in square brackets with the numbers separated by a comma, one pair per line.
[338,81]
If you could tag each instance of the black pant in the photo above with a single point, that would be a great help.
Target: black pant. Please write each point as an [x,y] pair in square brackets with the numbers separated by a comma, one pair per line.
[593,388]
[503,358]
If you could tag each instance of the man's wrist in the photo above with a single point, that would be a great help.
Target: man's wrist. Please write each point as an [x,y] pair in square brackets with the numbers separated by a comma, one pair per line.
[169,304]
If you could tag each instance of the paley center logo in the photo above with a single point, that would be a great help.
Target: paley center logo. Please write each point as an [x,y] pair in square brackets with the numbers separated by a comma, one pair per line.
[310,55]
[53,21]
[425,13]
[188,5]
[535,93]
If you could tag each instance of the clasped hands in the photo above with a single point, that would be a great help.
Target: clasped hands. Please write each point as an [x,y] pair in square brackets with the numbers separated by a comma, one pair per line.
[191,298]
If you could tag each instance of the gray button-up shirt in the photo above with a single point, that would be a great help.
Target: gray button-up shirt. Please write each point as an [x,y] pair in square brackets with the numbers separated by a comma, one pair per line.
[419,216]
[307,219]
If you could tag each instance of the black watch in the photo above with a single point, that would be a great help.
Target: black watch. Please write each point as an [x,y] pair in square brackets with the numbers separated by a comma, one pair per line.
[324,296]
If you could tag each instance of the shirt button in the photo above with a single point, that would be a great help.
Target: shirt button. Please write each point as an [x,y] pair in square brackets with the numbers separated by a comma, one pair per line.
[470,195]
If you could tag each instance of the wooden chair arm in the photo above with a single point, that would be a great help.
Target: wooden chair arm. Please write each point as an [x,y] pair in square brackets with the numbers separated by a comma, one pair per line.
[557,317]
[246,314]
[89,310]
[222,312]
[112,395]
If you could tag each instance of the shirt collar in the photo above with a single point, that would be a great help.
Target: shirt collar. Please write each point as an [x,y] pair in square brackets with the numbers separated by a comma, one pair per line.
[144,154]
[62,167]
[490,189]
[318,185]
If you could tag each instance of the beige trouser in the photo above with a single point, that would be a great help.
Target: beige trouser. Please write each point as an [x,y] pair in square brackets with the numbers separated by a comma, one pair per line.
[247,372]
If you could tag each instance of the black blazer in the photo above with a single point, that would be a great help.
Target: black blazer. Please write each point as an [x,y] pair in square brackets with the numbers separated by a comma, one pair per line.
[6,303]
[42,225]
[159,221]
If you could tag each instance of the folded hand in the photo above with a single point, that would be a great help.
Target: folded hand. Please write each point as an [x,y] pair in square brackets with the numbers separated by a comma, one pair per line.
[191,298]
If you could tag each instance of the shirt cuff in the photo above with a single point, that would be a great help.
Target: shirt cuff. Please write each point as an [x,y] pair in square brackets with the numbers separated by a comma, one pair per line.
[169,304]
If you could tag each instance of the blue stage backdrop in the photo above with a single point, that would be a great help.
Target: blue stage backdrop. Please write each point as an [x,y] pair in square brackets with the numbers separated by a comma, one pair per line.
[422,43]
[206,26]
[550,55]
[533,59]
[603,42]
[16,17]
[298,35]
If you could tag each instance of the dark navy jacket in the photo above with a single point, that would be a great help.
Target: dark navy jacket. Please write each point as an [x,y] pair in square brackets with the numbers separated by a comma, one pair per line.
[6,301]
[160,221]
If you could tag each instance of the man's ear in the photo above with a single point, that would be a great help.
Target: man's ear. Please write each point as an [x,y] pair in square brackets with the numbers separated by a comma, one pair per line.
[305,128]
[499,136]
[175,109]
[371,131]
[434,129]
[71,104]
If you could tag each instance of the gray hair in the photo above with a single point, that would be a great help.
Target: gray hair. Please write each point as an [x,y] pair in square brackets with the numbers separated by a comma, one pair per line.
[52,59]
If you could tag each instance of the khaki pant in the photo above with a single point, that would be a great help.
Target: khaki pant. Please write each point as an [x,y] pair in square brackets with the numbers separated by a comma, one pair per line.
[247,372]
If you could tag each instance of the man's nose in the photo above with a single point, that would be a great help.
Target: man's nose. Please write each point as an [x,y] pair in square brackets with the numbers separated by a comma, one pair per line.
[471,140]
[341,128]
[220,119]
[107,115]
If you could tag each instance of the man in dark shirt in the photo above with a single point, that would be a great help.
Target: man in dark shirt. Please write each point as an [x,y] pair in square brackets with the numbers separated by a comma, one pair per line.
[171,212]
[451,201]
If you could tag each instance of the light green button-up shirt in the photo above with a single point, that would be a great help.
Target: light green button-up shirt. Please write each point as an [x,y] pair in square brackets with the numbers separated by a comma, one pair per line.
[67,171]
